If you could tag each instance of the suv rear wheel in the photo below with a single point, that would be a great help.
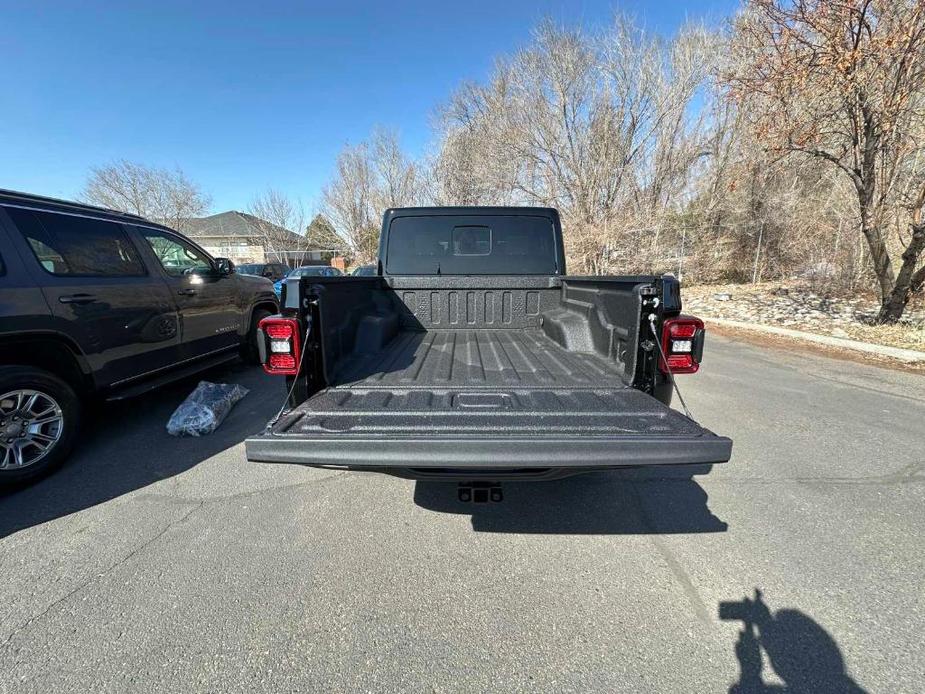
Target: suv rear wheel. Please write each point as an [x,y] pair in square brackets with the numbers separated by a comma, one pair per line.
[39,415]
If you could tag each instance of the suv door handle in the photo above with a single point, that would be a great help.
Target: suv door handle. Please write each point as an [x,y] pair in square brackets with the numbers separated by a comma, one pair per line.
[186,292]
[77,299]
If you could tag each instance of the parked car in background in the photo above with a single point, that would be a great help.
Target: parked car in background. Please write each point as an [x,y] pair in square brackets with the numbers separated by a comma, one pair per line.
[100,303]
[272,271]
[307,271]
[364,271]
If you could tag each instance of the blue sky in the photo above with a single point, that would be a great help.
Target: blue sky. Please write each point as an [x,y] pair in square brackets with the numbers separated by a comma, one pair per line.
[244,96]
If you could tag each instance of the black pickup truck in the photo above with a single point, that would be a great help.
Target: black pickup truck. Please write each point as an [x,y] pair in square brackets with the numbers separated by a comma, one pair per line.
[472,355]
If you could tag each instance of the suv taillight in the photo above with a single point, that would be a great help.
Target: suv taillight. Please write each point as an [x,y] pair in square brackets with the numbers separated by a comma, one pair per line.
[682,340]
[283,346]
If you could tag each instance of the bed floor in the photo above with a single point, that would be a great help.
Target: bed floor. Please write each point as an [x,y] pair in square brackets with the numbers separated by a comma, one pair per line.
[477,359]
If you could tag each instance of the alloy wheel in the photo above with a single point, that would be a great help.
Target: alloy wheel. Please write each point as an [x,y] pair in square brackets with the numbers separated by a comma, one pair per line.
[31,423]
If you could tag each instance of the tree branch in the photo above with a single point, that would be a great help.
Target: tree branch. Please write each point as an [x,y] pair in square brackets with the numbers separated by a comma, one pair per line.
[828,156]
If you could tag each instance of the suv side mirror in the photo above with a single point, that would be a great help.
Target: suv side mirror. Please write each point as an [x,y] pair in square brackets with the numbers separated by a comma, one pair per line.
[224,266]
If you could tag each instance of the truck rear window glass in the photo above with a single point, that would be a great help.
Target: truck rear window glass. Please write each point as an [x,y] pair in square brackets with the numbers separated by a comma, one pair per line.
[70,245]
[471,245]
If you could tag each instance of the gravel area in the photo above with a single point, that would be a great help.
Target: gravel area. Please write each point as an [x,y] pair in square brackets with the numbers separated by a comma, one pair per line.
[801,308]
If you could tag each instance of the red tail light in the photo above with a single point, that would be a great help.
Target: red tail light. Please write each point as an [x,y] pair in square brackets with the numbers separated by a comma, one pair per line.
[283,345]
[682,340]
[284,364]
[280,330]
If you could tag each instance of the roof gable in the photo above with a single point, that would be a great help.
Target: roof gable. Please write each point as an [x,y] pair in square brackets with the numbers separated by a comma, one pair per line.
[234,224]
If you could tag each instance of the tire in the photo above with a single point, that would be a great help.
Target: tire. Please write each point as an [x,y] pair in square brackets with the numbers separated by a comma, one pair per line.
[26,431]
[249,349]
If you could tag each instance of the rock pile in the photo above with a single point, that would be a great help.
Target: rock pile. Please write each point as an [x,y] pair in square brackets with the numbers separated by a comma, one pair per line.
[800,308]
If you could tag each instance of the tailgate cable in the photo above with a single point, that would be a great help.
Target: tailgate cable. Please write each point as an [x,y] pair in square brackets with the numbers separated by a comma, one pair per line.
[674,381]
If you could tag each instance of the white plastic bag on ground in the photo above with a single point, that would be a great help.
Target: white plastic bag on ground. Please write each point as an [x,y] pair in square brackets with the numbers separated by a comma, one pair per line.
[204,409]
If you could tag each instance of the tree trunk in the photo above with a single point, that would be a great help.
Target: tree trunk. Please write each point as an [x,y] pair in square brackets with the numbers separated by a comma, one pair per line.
[879,255]
[865,181]
[757,254]
[907,281]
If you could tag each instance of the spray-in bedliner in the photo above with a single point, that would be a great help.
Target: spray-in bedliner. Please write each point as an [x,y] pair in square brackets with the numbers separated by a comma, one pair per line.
[483,399]
[516,358]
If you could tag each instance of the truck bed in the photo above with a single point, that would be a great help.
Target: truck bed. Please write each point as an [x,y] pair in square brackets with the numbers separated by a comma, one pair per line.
[480,376]
[508,402]
[477,359]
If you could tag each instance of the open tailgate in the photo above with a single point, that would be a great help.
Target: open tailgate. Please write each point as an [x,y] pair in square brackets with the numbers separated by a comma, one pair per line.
[487,429]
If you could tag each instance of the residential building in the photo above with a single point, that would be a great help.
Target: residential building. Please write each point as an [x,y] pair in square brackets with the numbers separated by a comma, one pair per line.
[245,238]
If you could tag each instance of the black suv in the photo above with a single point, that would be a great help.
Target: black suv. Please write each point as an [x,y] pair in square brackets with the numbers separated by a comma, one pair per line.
[97,302]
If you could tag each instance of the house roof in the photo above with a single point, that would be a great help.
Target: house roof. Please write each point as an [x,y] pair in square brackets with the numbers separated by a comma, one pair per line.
[321,233]
[234,224]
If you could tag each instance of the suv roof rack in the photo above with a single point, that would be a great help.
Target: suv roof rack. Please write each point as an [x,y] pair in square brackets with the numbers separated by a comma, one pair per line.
[16,195]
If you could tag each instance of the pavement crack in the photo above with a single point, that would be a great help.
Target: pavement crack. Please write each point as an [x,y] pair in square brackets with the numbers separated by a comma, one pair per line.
[171,498]
[97,576]
[308,483]
[869,389]
[907,474]
[680,575]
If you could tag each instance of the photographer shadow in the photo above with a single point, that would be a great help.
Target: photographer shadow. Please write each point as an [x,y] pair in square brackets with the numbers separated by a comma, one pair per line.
[612,502]
[798,649]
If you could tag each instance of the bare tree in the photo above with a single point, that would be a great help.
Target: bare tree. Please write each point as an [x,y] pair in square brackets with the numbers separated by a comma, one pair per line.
[844,82]
[634,137]
[369,178]
[596,124]
[162,195]
[274,219]
[348,201]
[397,179]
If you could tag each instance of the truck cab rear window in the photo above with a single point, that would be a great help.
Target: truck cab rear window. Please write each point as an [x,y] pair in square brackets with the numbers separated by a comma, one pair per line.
[471,245]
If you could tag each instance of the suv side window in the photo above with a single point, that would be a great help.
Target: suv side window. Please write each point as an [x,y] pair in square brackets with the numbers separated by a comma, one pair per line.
[70,245]
[177,257]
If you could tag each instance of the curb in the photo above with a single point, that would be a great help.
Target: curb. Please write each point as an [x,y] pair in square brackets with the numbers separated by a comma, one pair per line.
[910,356]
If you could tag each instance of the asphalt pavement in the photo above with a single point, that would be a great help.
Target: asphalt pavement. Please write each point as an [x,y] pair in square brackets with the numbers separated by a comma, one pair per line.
[155,564]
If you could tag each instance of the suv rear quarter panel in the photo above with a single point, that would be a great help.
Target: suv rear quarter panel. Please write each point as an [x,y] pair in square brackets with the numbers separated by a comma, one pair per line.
[29,333]
[22,304]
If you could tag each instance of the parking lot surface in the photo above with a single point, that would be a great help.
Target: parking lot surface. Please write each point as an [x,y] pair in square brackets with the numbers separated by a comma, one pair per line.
[156,564]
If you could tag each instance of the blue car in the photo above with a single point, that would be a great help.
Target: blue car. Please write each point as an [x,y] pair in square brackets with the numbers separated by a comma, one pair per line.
[307,271]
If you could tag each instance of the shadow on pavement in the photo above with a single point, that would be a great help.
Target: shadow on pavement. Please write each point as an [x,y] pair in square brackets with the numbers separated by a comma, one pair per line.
[613,502]
[800,652]
[125,446]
